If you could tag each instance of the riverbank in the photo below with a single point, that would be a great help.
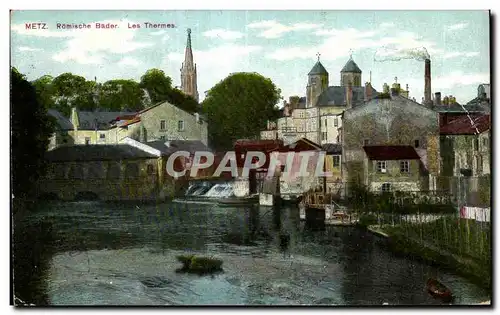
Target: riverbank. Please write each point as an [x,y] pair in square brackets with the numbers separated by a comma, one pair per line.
[476,271]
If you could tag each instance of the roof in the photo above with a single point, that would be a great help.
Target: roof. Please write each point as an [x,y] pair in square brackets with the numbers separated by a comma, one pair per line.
[391,152]
[351,66]
[99,120]
[63,122]
[169,147]
[318,69]
[464,126]
[336,96]
[303,144]
[332,148]
[96,152]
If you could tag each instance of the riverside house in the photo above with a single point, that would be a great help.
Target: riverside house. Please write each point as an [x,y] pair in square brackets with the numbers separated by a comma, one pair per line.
[393,168]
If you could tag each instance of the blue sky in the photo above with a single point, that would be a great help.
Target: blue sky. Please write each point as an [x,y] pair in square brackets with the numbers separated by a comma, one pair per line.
[281,45]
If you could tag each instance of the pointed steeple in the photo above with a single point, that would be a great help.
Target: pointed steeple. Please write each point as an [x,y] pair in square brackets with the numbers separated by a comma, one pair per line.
[188,55]
[188,71]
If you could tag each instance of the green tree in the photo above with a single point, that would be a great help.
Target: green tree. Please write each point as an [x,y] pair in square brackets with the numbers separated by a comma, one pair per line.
[117,95]
[45,90]
[239,107]
[183,101]
[157,84]
[31,129]
[73,90]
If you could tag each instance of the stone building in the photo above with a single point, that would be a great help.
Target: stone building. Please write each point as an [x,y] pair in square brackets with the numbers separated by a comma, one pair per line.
[62,129]
[105,172]
[317,116]
[393,168]
[163,122]
[389,119]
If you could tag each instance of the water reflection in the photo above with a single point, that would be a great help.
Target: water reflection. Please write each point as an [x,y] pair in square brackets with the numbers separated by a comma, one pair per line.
[100,253]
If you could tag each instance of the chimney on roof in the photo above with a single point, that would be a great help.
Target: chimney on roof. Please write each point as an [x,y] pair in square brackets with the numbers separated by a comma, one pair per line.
[348,96]
[368,91]
[394,91]
[427,86]
[437,99]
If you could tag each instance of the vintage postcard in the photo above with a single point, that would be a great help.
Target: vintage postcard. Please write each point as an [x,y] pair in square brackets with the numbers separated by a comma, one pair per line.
[335,158]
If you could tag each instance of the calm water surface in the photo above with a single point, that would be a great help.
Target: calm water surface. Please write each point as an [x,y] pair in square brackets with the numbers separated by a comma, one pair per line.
[125,254]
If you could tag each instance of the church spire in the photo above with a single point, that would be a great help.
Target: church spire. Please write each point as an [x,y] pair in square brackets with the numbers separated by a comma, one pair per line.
[188,71]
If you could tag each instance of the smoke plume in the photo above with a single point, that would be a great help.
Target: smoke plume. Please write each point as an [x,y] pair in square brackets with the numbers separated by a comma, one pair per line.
[392,54]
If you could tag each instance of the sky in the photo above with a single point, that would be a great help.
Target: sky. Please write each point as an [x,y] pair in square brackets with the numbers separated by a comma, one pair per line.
[280,45]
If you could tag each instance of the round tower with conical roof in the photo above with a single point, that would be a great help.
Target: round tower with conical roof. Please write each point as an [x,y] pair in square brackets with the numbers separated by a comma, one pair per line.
[317,83]
[350,72]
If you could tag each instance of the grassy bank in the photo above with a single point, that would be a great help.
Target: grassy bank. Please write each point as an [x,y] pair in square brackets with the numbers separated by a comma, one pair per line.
[461,245]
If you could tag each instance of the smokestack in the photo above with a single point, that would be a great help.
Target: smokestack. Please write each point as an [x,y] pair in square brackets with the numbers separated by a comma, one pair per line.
[368,91]
[437,98]
[348,96]
[427,87]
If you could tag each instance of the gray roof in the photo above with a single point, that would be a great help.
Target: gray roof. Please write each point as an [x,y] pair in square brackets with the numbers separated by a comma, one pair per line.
[98,120]
[96,152]
[457,108]
[178,145]
[332,148]
[318,69]
[336,96]
[63,122]
[351,66]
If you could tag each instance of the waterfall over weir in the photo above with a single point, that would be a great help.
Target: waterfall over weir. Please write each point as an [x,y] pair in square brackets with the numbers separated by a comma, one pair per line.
[210,190]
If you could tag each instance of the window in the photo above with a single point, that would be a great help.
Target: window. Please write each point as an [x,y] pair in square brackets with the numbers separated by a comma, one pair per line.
[326,125]
[475,144]
[404,166]
[366,142]
[386,187]
[336,122]
[323,136]
[180,125]
[382,167]
[131,170]
[301,114]
[417,143]
[102,136]
[162,138]
[162,125]
[87,140]
[336,161]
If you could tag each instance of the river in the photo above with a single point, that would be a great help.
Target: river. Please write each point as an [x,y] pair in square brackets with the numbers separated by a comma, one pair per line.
[125,254]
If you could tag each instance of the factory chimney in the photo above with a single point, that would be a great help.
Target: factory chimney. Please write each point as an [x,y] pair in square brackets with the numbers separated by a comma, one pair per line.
[427,87]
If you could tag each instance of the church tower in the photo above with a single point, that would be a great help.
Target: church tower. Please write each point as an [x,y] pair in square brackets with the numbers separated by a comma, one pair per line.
[350,73]
[188,71]
[316,84]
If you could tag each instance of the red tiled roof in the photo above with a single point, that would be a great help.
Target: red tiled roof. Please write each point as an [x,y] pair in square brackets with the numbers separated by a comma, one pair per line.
[391,152]
[463,125]
[246,144]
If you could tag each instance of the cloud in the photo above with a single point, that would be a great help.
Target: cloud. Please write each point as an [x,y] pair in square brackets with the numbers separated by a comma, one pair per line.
[223,34]
[458,78]
[158,33]
[387,25]
[274,29]
[456,27]
[129,61]
[89,46]
[455,54]
[25,48]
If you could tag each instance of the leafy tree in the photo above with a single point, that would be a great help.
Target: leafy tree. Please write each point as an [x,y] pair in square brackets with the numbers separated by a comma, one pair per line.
[45,90]
[31,130]
[157,84]
[117,95]
[73,90]
[183,101]
[239,107]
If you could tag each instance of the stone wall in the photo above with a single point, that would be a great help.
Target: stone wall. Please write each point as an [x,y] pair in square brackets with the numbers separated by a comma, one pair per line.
[108,180]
